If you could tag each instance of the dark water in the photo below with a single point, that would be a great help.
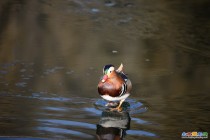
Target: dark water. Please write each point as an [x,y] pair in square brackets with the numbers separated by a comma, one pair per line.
[52,53]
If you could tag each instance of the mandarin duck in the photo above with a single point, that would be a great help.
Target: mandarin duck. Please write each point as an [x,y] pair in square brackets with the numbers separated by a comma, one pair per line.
[114,86]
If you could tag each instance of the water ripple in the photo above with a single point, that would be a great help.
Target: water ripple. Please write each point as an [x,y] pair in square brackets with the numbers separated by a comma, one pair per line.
[92,110]
[55,108]
[64,131]
[141,133]
[69,123]
[139,121]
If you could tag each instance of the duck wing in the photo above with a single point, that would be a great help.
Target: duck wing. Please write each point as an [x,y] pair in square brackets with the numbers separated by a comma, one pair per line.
[123,76]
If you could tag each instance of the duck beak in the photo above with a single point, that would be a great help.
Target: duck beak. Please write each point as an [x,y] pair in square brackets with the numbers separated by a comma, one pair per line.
[105,77]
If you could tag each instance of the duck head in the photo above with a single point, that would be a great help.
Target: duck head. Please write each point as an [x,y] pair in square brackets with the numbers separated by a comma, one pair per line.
[107,71]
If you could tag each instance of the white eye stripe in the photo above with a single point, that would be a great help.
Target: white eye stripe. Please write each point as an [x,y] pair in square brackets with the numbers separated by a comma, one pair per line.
[111,69]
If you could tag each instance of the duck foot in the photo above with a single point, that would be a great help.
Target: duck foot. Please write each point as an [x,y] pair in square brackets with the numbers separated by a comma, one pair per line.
[119,109]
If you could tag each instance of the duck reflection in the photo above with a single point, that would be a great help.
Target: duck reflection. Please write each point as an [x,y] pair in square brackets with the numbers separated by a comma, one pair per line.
[113,125]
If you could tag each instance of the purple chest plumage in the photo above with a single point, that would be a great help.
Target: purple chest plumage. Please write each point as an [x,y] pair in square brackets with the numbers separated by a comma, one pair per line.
[108,88]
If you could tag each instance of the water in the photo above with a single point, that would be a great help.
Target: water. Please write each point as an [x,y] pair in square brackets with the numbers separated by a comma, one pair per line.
[52,54]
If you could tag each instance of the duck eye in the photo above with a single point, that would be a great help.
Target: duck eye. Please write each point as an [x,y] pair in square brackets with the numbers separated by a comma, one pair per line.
[111,69]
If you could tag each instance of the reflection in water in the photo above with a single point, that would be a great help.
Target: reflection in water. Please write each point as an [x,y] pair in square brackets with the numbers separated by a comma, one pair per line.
[113,125]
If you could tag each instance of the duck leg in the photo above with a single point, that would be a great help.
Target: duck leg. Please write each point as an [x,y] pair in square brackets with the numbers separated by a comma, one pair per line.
[118,108]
